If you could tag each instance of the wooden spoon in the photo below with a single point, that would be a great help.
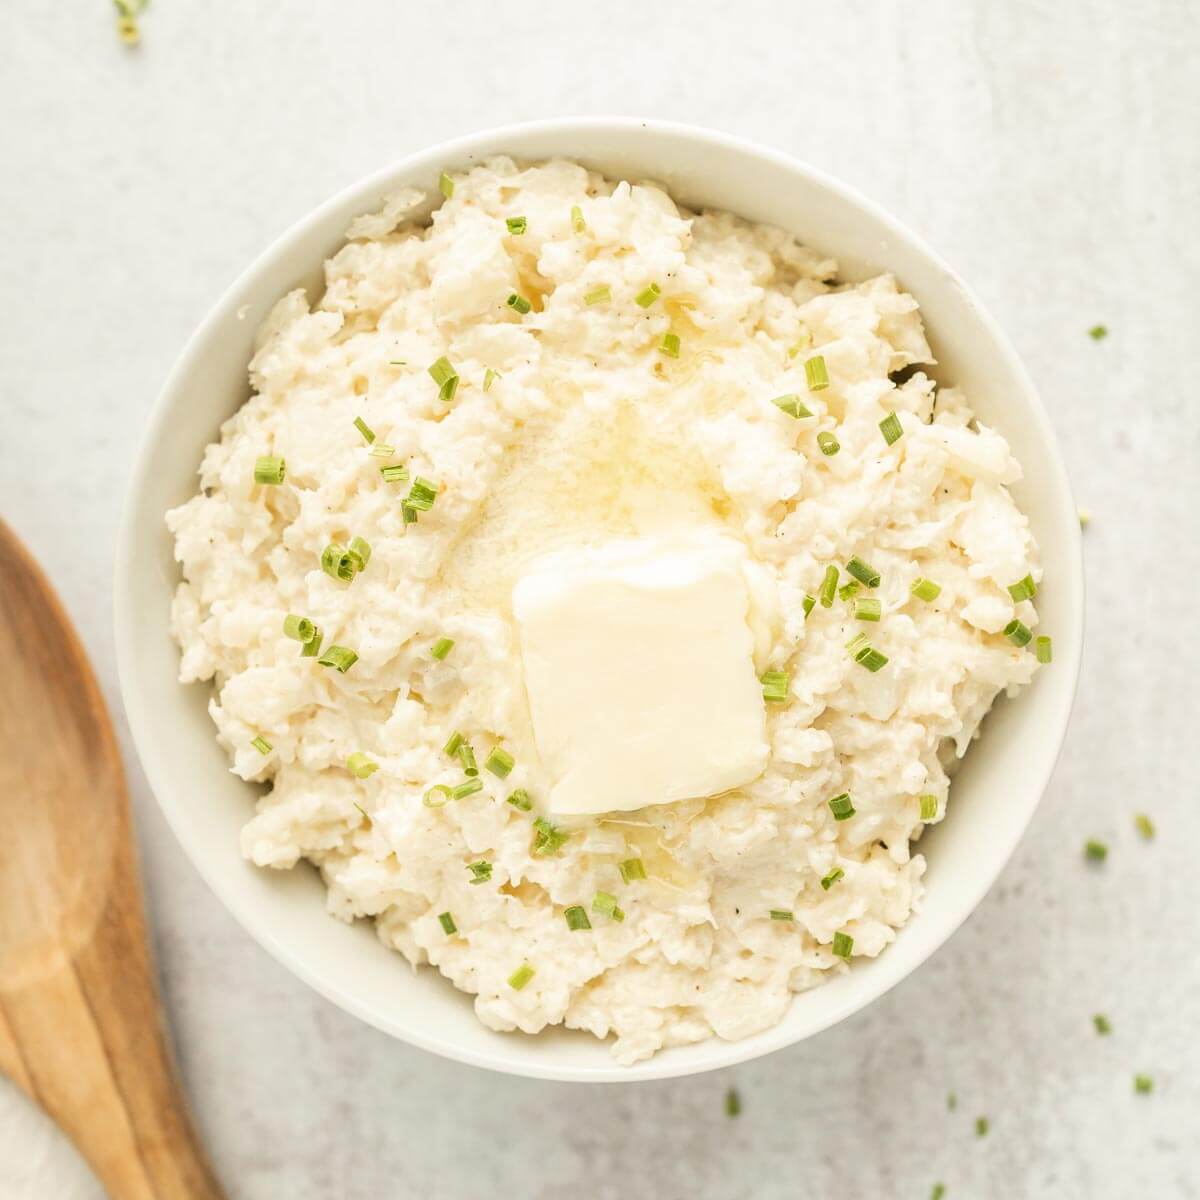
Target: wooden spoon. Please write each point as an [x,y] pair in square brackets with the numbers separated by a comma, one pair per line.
[81,1027]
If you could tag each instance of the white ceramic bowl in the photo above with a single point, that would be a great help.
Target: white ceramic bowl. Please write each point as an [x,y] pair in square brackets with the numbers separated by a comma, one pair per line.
[994,796]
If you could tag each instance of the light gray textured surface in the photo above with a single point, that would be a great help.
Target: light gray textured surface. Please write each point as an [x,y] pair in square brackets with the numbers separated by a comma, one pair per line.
[1049,151]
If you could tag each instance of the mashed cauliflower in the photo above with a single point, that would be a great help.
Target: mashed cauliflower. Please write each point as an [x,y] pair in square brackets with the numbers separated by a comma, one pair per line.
[574,422]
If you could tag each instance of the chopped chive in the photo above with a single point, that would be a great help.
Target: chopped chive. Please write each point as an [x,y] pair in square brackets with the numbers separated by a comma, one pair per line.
[437,795]
[300,629]
[733,1103]
[925,589]
[598,295]
[489,377]
[447,923]
[381,450]
[606,903]
[1098,332]
[481,871]
[577,221]
[397,362]
[808,603]
[368,434]
[938,1192]
[520,800]
[1044,649]
[1145,826]
[815,373]
[775,686]
[548,839]
[1143,1084]
[670,344]
[1085,517]
[261,744]
[1023,589]
[128,29]
[312,648]
[361,765]
[981,1126]
[631,869]
[359,551]
[849,590]
[1103,1024]
[441,648]
[843,944]
[518,303]
[782,914]
[465,754]
[516,225]
[422,494]
[891,429]
[863,572]
[792,405]
[648,295]
[576,917]
[446,378]
[270,470]
[828,586]
[1094,850]
[871,658]
[467,788]
[951,1101]
[337,563]
[842,807]
[499,762]
[520,977]
[865,654]
[455,740]
[394,474]
[445,185]
[929,807]
[340,657]
[827,881]
[1017,632]
[828,443]
[409,512]
[867,609]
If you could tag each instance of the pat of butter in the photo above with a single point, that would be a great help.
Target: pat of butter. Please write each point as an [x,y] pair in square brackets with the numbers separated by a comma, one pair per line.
[639,668]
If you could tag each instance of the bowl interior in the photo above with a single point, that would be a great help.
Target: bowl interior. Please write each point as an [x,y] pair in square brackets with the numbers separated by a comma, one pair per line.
[994,795]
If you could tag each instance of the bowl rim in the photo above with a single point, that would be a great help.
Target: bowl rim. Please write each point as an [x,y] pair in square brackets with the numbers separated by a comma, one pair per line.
[720,1053]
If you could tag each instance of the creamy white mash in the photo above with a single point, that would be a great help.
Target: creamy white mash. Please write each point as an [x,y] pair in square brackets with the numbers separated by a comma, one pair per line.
[694,798]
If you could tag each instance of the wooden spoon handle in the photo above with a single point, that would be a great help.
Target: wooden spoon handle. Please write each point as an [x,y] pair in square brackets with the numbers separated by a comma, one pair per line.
[88,1038]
